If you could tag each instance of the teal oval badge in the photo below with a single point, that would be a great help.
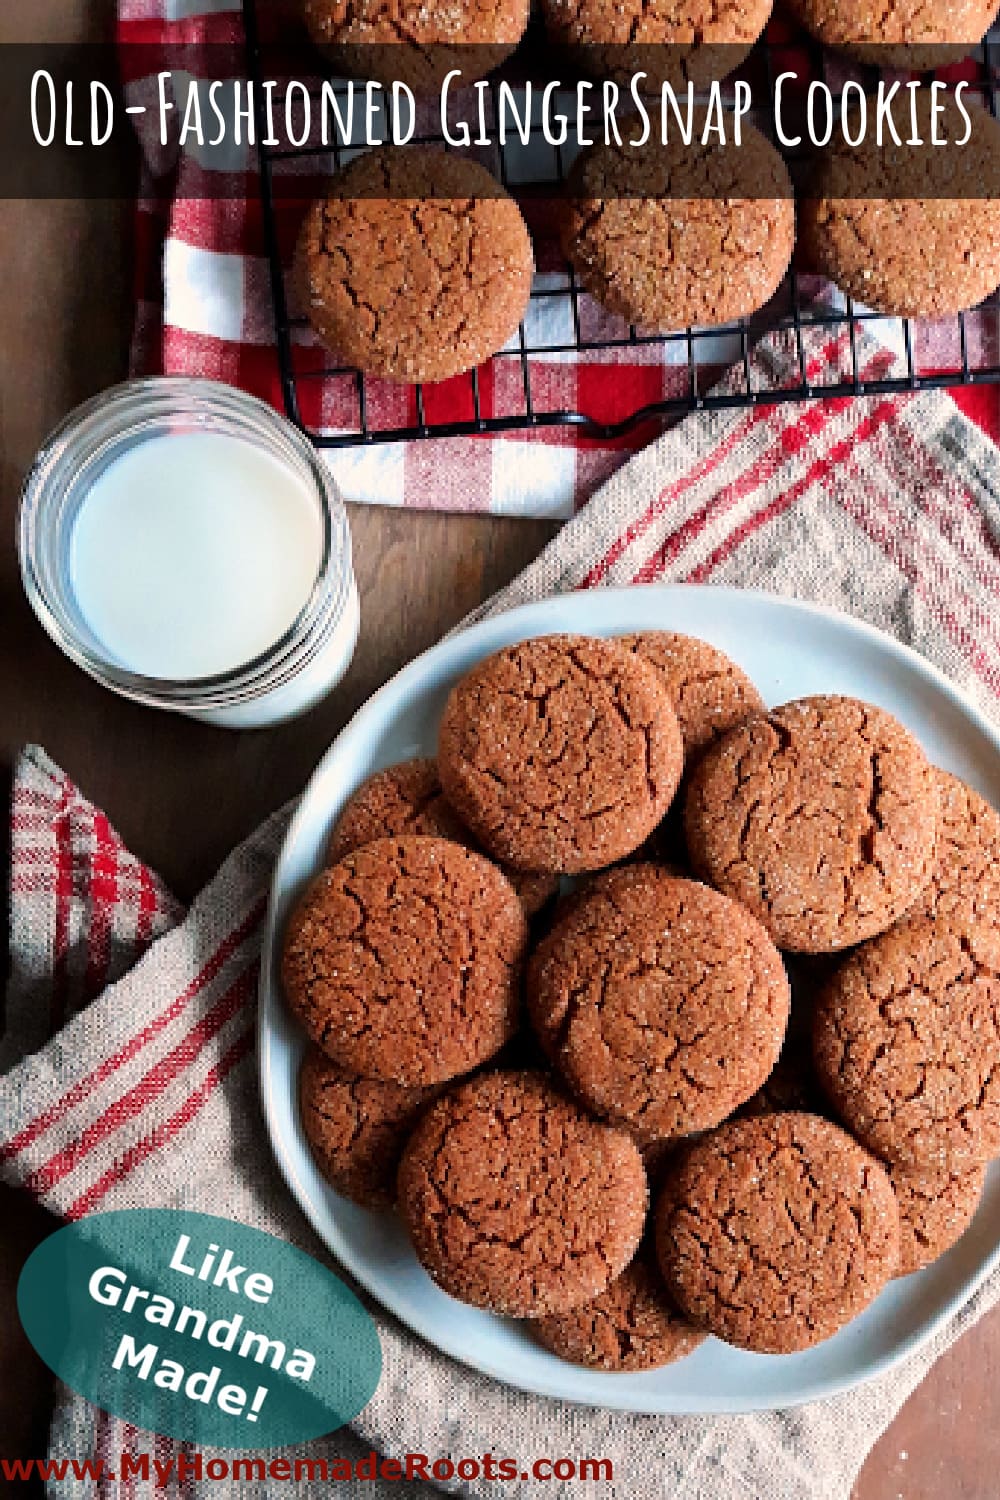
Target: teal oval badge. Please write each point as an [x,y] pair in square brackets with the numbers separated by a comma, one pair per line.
[199,1328]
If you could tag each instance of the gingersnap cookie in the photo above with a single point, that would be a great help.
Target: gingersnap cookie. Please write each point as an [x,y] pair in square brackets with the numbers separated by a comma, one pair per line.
[416,43]
[709,692]
[357,1127]
[407,798]
[909,231]
[668,237]
[967,858]
[404,798]
[663,1004]
[904,34]
[935,1210]
[415,265]
[516,1200]
[774,1232]
[632,1325]
[819,817]
[673,44]
[906,1041]
[561,753]
[403,961]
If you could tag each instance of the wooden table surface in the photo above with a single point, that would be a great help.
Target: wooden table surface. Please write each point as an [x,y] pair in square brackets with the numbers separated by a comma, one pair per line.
[182,795]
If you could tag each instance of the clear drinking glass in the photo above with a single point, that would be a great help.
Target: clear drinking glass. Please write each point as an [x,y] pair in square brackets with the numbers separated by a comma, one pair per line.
[293,674]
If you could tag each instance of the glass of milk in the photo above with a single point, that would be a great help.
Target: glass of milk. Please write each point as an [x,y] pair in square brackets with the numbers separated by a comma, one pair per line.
[181,542]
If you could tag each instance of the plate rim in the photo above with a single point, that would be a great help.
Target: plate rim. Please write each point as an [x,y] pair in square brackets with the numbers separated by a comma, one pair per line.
[395,686]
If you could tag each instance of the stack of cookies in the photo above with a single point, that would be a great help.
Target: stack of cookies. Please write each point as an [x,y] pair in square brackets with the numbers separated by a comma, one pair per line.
[766,1005]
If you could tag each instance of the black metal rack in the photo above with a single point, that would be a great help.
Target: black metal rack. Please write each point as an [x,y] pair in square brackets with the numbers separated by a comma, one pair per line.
[790,314]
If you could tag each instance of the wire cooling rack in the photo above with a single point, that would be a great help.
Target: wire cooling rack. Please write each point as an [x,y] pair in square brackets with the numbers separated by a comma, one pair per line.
[964,350]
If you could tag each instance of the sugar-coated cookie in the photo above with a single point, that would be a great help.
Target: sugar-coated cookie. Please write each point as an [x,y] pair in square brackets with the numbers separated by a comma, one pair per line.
[820,817]
[516,1200]
[416,43]
[906,1040]
[561,753]
[911,232]
[415,265]
[403,961]
[662,1003]
[709,692]
[668,237]
[407,798]
[356,1127]
[632,1325]
[908,34]
[935,1210]
[700,41]
[772,1233]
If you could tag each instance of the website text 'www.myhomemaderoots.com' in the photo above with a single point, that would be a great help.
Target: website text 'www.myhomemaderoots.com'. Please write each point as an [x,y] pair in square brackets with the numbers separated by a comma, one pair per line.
[196,1468]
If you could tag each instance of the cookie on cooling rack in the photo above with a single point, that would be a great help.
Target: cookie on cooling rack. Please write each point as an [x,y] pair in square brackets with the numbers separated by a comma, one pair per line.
[907,34]
[678,236]
[415,265]
[416,43]
[701,40]
[909,231]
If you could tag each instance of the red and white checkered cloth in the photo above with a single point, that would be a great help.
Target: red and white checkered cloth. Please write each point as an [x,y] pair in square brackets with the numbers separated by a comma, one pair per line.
[204,308]
[148,1094]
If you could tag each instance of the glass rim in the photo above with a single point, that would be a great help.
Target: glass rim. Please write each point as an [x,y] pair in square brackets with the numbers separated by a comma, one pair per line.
[144,399]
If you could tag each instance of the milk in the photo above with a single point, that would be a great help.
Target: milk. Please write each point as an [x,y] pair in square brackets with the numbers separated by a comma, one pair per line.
[193,553]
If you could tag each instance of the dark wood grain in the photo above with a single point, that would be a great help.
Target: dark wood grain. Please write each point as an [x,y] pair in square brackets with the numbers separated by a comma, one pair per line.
[182,795]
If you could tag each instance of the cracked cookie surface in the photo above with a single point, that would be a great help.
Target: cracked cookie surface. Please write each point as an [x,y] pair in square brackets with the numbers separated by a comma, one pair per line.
[967,856]
[915,35]
[415,265]
[906,1041]
[709,692]
[678,236]
[414,42]
[820,817]
[403,961]
[700,41]
[561,753]
[630,1326]
[356,1127]
[663,1004]
[773,1233]
[935,1210]
[516,1200]
[407,798]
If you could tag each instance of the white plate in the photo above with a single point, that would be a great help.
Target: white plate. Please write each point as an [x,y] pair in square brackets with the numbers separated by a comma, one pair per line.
[789,650]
